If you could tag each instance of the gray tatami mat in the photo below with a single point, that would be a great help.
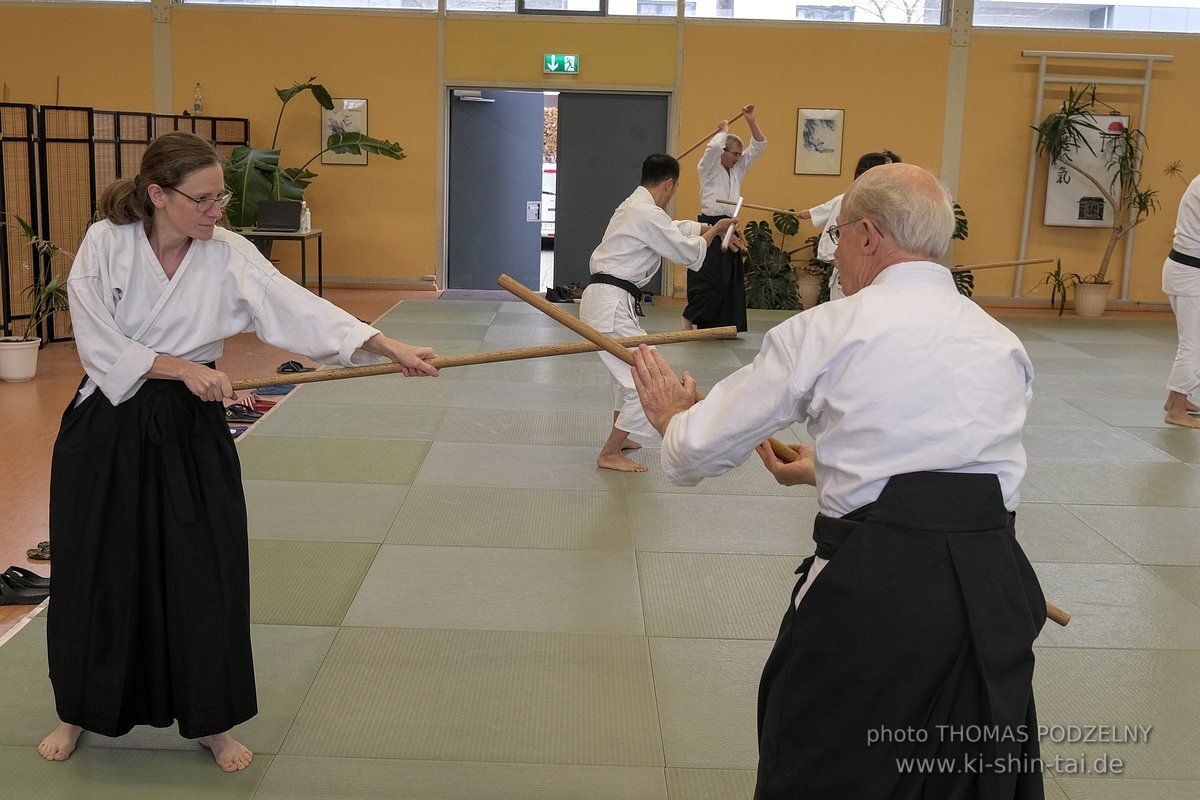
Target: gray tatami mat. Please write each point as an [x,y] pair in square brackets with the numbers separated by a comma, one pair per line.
[452,602]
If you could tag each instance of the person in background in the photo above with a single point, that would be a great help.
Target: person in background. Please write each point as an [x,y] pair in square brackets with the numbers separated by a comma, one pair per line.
[1181,283]
[150,616]
[717,291]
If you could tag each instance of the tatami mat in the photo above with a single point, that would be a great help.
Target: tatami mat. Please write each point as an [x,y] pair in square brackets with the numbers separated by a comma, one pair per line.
[451,601]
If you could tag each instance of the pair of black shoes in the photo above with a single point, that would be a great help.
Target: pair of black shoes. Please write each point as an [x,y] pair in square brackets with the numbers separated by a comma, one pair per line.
[241,413]
[21,586]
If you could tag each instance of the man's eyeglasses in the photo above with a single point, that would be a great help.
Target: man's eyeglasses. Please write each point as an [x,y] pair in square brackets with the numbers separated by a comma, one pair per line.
[205,204]
[835,232]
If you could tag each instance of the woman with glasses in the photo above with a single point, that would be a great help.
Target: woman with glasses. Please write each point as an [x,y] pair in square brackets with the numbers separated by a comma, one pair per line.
[151,611]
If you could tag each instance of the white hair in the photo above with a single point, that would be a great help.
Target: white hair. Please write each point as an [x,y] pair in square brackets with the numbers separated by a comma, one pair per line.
[733,137]
[918,219]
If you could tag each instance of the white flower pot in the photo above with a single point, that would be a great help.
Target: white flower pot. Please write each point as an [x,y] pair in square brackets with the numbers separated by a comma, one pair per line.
[1091,298]
[808,286]
[18,360]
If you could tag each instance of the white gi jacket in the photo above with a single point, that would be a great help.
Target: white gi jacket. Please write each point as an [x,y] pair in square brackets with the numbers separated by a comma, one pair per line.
[638,236]
[125,311]
[718,183]
[904,376]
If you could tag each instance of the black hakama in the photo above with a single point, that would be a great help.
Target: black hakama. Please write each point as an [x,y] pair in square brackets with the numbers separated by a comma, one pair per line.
[915,642]
[150,613]
[717,291]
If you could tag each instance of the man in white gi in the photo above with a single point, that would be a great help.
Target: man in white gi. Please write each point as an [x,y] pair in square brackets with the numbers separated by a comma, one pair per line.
[1181,283]
[916,617]
[717,291]
[824,217]
[639,234]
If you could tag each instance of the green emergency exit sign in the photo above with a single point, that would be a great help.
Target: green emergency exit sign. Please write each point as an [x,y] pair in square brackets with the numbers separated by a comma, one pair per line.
[567,64]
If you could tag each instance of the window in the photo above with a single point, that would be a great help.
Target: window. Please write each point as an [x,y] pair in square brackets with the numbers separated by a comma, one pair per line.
[1158,16]
[913,12]
[826,13]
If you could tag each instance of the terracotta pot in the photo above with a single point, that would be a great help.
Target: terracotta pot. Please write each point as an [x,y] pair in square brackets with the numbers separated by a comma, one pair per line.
[18,360]
[1091,298]
[808,286]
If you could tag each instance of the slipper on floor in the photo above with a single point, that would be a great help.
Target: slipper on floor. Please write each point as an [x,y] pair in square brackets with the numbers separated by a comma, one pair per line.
[13,595]
[293,366]
[26,577]
[39,553]
[275,390]
[240,413]
[237,430]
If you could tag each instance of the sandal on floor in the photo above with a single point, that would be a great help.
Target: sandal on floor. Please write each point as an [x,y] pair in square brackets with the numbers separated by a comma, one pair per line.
[39,553]
[240,413]
[20,576]
[13,595]
[293,366]
[275,390]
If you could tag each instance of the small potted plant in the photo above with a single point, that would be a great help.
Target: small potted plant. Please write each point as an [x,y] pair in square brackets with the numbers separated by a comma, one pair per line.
[771,280]
[18,354]
[1060,136]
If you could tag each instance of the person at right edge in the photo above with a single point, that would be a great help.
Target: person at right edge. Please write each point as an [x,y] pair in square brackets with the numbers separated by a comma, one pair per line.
[904,663]
[1181,283]
[716,293]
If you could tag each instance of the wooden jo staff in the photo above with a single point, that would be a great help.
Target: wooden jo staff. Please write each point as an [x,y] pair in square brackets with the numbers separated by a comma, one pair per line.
[760,208]
[785,453]
[781,450]
[514,354]
[709,136]
[997,264]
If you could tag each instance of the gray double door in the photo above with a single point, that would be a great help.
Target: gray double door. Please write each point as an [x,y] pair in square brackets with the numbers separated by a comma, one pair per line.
[495,170]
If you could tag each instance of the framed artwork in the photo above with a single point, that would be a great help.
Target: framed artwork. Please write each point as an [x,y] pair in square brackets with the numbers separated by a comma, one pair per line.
[1071,199]
[347,116]
[819,141]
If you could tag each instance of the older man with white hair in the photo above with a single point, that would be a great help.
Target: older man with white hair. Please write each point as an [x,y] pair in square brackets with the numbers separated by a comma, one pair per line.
[904,663]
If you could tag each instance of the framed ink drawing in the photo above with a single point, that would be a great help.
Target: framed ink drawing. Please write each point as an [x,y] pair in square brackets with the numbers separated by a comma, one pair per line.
[819,141]
[1071,199]
[346,116]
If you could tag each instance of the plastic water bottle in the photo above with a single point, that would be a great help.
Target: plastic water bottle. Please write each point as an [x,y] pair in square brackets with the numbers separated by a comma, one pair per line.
[305,217]
[197,102]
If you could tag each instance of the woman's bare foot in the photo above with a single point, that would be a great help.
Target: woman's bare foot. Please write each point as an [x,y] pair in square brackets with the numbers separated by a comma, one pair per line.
[230,754]
[59,745]
[618,462]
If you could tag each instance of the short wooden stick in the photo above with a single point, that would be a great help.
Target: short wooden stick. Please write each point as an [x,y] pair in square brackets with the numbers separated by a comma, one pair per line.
[782,451]
[707,138]
[514,354]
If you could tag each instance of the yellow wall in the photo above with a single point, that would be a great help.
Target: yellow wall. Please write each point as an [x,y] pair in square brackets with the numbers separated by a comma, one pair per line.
[383,221]
[1002,89]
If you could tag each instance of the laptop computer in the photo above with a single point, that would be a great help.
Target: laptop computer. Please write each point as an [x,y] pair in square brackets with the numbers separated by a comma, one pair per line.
[278,215]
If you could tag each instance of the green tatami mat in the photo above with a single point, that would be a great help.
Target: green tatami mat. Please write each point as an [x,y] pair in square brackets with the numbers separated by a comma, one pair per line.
[482,696]
[1049,532]
[531,396]
[287,458]
[689,523]
[330,512]
[710,784]
[576,369]
[707,691]
[1121,788]
[323,778]
[749,478]
[715,595]
[108,774]
[566,519]
[1182,443]
[386,390]
[352,421]
[1115,483]
[305,583]
[505,336]
[1159,689]
[509,589]
[286,659]
[519,466]
[1151,535]
[1089,443]
[412,331]
[526,426]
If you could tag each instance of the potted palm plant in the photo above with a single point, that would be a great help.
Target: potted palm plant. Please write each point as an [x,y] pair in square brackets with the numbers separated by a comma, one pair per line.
[1060,136]
[18,354]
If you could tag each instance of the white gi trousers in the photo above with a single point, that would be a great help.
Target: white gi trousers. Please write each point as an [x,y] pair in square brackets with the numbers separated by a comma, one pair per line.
[610,310]
[1181,283]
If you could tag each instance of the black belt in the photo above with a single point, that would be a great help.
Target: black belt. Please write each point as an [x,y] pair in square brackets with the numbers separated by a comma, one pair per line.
[709,219]
[621,283]
[1186,260]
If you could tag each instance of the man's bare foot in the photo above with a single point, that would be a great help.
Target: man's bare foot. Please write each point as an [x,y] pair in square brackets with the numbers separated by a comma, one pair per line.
[59,745]
[229,753]
[631,444]
[1182,419]
[618,462]
[1189,406]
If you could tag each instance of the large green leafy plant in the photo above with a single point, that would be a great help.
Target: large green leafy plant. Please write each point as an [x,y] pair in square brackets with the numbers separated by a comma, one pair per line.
[253,175]
[1061,135]
[770,278]
[45,296]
